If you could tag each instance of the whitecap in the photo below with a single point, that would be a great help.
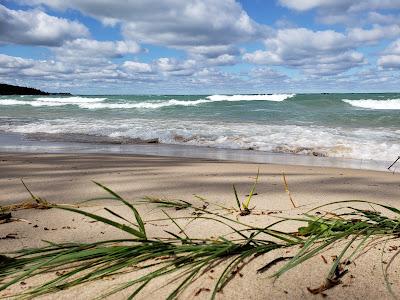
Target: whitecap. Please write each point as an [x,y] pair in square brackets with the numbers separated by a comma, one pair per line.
[264,97]
[148,105]
[374,104]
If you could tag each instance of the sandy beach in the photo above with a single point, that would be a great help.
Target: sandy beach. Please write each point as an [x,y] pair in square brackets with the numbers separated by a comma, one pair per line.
[67,179]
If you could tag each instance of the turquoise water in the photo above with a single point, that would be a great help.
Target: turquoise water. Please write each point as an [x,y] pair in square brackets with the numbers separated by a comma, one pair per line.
[360,126]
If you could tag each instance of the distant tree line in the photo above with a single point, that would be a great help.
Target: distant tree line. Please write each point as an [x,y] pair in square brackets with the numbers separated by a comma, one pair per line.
[8,89]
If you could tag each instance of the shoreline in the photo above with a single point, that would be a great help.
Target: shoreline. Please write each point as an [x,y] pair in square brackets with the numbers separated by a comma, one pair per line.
[10,143]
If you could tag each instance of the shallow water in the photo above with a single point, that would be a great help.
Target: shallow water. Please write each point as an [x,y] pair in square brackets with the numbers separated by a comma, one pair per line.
[350,126]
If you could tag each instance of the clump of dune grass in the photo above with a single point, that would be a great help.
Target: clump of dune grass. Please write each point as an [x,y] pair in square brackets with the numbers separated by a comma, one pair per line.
[244,207]
[187,258]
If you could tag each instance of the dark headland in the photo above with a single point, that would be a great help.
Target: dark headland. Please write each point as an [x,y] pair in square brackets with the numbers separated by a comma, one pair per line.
[8,89]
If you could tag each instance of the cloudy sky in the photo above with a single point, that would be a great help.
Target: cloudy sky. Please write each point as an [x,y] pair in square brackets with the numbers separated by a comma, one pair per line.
[201,46]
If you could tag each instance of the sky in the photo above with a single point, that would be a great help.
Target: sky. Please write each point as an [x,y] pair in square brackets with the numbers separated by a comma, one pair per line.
[201,46]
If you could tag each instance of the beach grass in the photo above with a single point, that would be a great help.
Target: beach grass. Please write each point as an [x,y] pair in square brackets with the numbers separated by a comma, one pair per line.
[183,258]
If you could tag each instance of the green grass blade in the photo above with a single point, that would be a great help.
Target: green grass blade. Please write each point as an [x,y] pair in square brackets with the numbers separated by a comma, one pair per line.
[236,197]
[120,226]
[247,202]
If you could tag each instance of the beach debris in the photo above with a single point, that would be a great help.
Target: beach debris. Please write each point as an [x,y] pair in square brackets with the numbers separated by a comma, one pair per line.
[8,218]
[287,190]
[9,236]
[273,263]
[255,194]
[330,282]
[324,259]
[398,158]
[34,203]
[202,290]
[25,205]
[5,217]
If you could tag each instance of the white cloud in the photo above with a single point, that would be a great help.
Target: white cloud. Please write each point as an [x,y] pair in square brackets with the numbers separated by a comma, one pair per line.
[315,52]
[192,25]
[393,48]
[340,5]
[86,51]
[391,56]
[305,5]
[222,60]
[171,66]
[137,67]
[8,63]
[35,27]
[389,61]
[378,18]
[373,35]
[267,75]
[348,12]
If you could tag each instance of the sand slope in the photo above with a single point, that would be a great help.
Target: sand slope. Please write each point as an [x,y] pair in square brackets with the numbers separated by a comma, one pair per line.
[66,178]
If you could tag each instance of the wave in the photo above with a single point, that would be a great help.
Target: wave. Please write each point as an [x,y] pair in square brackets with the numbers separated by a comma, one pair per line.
[374,104]
[98,103]
[70,100]
[265,97]
[371,144]
[52,101]
[149,105]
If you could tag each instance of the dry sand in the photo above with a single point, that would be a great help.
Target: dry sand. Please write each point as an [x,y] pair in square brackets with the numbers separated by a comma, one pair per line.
[66,178]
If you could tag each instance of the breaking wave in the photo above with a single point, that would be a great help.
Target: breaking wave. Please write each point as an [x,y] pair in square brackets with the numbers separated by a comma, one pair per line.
[100,103]
[269,97]
[375,144]
[374,104]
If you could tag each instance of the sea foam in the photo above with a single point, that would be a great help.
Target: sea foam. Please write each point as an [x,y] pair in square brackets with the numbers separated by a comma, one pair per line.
[143,105]
[52,101]
[375,144]
[271,97]
[374,104]
[69,100]
[99,103]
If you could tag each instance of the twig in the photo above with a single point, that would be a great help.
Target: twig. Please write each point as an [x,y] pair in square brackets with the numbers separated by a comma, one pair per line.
[287,190]
[394,163]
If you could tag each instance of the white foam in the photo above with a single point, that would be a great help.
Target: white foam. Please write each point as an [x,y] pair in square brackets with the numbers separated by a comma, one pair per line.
[149,105]
[52,101]
[273,97]
[380,144]
[374,104]
[12,102]
[70,100]
[98,103]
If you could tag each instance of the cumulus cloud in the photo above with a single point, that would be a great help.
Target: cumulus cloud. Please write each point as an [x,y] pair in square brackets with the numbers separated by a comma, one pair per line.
[137,67]
[34,27]
[198,27]
[8,63]
[391,56]
[170,66]
[343,11]
[315,52]
[210,34]
[373,35]
[17,66]
[267,75]
[340,5]
[51,70]
[378,18]
[89,52]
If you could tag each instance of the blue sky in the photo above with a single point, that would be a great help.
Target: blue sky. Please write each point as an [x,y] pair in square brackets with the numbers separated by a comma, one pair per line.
[201,46]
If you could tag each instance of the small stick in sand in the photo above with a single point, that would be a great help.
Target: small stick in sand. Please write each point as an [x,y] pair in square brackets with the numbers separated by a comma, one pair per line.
[287,190]
[394,163]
